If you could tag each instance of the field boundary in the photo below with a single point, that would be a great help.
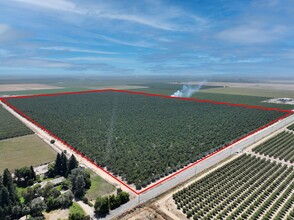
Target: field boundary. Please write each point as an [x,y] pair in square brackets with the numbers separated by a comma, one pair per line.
[138,192]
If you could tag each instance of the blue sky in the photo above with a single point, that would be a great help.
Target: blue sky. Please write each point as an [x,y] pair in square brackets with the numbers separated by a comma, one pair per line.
[151,37]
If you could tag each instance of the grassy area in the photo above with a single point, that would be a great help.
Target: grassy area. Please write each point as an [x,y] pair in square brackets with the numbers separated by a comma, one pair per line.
[24,151]
[76,208]
[99,187]
[252,92]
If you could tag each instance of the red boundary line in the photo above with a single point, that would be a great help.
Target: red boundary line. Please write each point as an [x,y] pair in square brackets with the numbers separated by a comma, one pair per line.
[289,112]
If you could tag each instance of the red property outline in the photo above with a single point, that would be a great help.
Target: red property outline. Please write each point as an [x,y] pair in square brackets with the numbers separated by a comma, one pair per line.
[287,113]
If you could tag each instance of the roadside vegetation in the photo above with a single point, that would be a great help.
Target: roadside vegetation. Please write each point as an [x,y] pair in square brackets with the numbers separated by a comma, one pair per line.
[106,203]
[246,188]
[10,126]
[141,138]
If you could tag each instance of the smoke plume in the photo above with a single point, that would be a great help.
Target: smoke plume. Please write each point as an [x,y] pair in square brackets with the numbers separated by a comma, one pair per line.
[188,90]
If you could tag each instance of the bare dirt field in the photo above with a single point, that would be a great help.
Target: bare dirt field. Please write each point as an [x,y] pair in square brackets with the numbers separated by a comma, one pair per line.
[57,214]
[21,87]
[143,213]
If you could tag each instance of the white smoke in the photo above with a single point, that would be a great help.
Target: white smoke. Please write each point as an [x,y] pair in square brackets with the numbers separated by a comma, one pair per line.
[188,90]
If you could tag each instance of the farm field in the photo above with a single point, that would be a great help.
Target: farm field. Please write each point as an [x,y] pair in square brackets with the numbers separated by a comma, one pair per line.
[20,87]
[10,126]
[253,92]
[141,138]
[291,127]
[24,151]
[280,147]
[164,88]
[42,91]
[206,93]
[245,188]
[69,89]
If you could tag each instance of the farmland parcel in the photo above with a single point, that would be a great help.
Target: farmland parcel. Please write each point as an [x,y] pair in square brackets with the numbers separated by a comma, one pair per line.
[141,138]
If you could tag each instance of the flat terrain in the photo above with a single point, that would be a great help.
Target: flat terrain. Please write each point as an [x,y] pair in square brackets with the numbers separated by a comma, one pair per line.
[217,92]
[24,151]
[248,188]
[267,85]
[271,205]
[142,138]
[20,87]
[68,89]
[10,126]
[253,92]
[99,187]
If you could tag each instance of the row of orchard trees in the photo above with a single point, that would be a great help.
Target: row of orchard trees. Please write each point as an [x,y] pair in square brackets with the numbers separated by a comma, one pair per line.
[10,126]
[142,138]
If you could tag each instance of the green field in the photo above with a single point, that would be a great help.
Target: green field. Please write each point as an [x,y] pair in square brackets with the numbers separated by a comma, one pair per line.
[10,126]
[253,92]
[142,138]
[24,151]
[76,209]
[233,95]
[99,187]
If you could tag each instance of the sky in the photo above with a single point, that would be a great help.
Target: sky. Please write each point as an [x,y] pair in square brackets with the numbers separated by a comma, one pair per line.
[147,37]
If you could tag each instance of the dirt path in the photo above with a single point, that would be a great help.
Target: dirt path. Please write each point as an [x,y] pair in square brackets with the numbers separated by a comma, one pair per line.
[87,209]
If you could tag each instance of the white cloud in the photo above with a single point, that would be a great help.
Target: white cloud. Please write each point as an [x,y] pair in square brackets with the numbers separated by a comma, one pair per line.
[8,34]
[36,63]
[127,43]
[252,35]
[62,5]
[97,59]
[70,49]
[155,14]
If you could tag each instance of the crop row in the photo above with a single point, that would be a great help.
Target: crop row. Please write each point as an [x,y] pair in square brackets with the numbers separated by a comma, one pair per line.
[10,126]
[291,127]
[142,138]
[246,188]
[280,147]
